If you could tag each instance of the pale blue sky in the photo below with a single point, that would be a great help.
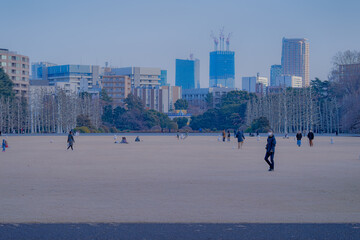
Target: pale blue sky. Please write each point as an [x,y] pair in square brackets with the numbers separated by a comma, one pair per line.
[155,33]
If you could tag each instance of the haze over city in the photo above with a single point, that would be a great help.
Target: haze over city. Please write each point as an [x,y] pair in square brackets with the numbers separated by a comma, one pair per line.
[155,33]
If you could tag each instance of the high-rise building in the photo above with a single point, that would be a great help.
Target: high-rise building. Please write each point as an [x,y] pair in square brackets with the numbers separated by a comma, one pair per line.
[187,73]
[140,76]
[222,69]
[16,66]
[222,64]
[275,70]
[117,87]
[295,58]
[161,99]
[289,81]
[163,78]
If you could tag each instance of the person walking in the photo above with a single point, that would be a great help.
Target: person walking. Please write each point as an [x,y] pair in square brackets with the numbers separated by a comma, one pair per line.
[270,150]
[311,138]
[228,136]
[70,141]
[224,135]
[3,145]
[177,134]
[240,137]
[298,138]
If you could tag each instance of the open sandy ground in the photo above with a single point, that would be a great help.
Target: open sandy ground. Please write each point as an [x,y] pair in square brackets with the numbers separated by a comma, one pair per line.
[165,180]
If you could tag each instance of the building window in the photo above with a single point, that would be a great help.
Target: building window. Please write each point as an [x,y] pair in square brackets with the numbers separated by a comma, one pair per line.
[3,63]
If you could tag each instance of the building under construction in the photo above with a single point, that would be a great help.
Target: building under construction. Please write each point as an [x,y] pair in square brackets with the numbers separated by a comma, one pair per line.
[222,63]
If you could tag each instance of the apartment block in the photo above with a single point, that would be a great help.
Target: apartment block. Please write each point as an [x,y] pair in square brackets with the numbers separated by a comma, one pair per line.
[17,67]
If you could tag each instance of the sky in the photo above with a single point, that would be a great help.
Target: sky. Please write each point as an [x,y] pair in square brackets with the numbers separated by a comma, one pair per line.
[154,33]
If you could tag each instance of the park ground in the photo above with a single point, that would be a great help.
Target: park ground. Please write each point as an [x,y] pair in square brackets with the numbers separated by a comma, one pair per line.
[165,180]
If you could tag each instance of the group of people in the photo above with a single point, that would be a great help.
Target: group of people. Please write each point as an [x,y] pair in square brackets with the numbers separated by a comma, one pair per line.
[71,140]
[237,134]
[310,136]
[181,136]
[270,145]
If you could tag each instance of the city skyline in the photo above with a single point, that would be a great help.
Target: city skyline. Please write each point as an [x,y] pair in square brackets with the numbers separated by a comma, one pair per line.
[172,34]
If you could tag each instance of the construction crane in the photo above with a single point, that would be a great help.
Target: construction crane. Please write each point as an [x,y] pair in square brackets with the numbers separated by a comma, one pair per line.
[228,42]
[216,41]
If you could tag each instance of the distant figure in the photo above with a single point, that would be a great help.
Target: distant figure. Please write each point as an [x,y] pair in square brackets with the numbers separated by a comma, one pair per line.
[257,133]
[115,138]
[228,136]
[186,134]
[123,140]
[70,141]
[270,150]
[258,138]
[137,139]
[223,135]
[332,140]
[286,136]
[177,134]
[0,133]
[336,133]
[240,136]
[298,138]
[311,138]
[3,145]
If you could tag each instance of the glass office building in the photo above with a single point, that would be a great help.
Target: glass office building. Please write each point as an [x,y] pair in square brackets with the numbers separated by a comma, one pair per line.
[163,78]
[275,71]
[222,69]
[187,73]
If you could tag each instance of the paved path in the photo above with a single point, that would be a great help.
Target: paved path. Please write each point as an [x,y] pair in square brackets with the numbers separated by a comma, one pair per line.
[159,231]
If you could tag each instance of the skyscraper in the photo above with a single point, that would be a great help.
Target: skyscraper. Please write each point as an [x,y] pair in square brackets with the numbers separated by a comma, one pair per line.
[222,64]
[295,58]
[187,73]
[275,70]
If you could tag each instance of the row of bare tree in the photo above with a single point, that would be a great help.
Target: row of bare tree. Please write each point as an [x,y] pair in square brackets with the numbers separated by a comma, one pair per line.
[47,111]
[296,109]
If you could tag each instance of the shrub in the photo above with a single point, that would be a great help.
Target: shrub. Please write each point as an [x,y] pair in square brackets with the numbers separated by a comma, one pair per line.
[82,129]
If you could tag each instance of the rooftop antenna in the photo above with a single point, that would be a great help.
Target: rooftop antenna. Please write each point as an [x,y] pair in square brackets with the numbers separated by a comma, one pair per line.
[228,42]
[216,41]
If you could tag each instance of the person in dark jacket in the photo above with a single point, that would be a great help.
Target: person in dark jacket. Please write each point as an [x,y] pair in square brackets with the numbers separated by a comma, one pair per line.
[240,137]
[298,138]
[270,150]
[70,140]
[311,138]
[228,136]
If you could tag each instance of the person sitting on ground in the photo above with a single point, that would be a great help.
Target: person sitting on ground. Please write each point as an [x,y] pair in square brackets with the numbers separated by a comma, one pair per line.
[137,139]
[123,140]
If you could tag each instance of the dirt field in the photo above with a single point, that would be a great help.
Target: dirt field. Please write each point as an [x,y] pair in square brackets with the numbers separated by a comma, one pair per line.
[162,179]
